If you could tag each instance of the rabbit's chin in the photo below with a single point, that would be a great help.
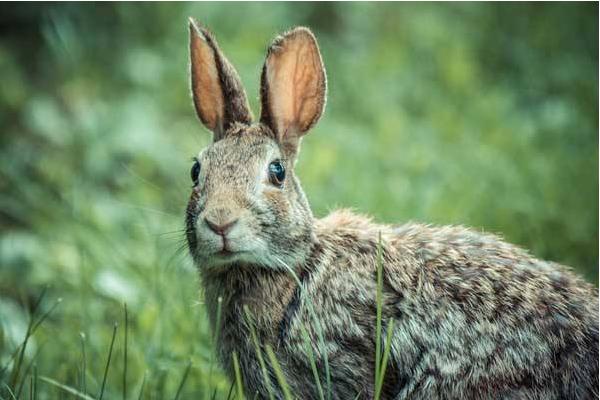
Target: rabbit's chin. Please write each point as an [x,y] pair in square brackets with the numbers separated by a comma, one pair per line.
[221,261]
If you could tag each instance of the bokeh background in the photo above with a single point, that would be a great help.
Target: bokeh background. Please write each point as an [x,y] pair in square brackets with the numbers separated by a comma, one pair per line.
[477,114]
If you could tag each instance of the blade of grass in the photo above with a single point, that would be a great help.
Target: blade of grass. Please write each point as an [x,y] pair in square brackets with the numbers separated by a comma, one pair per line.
[279,373]
[12,395]
[83,363]
[33,383]
[261,360]
[384,361]
[183,379]
[20,350]
[230,390]
[66,388]
[46,315]
[125,351]
[238,377]
[28,368]
[313,363]
[31,329]
[110,350]
[379,301]
[212,354]
[142,386]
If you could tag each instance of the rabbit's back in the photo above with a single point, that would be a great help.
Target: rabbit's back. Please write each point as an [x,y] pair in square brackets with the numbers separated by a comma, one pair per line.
[474,317]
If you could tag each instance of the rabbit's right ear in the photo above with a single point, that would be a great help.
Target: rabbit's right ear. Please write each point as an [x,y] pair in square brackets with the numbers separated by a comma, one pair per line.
[293,87]
[219,96]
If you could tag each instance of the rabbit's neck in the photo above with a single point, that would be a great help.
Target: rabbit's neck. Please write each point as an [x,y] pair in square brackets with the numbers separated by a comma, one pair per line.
[271,298]
[265,293]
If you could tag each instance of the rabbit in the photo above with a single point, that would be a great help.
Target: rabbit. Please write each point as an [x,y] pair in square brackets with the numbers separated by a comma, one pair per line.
[473,317]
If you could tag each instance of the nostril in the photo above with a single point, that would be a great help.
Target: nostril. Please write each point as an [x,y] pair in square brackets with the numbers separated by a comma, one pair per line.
[220,228]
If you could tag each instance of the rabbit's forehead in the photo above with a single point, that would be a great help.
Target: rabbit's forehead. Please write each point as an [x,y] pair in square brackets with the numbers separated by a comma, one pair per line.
[240,154]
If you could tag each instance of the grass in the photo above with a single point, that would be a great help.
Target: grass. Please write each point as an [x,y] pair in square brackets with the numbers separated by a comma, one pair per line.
[381,358]
[239,385]
[259,353]
[110,351]
[34,323]
[287,394]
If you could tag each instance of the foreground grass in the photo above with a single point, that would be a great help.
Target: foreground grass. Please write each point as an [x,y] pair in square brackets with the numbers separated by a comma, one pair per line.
[18,377]
[104,376]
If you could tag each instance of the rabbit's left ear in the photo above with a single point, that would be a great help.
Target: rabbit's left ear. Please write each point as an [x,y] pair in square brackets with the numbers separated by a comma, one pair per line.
[293,86]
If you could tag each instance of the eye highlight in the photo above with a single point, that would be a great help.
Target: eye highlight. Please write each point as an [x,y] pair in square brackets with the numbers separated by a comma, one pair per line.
[194,172]
[276,173]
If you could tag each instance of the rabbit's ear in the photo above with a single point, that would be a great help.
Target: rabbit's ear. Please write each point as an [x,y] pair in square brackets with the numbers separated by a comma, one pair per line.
[219,96]
[293,86]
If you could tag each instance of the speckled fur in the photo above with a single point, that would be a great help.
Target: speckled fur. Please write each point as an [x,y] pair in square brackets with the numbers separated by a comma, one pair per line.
[475,317]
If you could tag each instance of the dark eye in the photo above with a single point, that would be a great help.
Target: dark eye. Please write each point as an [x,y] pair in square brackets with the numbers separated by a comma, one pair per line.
[276,173]
[195,172]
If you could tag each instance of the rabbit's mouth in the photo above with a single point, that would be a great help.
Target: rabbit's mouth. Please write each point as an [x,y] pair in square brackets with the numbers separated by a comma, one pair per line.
[226,253]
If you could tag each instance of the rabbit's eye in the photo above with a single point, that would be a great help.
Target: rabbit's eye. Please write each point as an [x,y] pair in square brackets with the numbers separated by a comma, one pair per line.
[276,173]
[195,172]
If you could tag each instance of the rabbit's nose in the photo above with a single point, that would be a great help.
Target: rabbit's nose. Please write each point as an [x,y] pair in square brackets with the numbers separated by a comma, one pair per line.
[220,228]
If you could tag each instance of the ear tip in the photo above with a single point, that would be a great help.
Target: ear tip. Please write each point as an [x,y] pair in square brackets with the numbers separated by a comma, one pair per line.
[193,24]
[302,31]
[295,34]
[196,29]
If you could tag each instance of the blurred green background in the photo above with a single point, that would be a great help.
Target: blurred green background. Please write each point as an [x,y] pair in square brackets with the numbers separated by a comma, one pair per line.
[477,114]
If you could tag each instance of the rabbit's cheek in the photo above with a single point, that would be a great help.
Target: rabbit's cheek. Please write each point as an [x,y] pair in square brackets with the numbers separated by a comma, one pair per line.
[278,203]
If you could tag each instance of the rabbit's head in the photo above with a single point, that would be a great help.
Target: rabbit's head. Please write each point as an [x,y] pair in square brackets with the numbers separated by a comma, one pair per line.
[247,206]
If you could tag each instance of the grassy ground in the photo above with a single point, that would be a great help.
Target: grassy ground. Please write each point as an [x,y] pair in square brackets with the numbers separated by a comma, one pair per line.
[476,114]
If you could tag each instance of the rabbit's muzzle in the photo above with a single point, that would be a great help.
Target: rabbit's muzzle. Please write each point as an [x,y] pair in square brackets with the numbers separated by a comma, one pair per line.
[221,222]
[221,232]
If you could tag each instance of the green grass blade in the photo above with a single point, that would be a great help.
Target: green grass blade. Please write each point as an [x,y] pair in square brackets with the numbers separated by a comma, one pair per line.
[311,359]
[66,388]
[230,391]
[21,349]
[45,315]
[142,386]
[32,384]
[83,363]
[379,302]
[212,354]
[31,389]
[31,329]
[28,368]
[384,361]
[125,316]
[12,395]
[258,350]
[279,373]
[238,377]
[110,350]
[183,379]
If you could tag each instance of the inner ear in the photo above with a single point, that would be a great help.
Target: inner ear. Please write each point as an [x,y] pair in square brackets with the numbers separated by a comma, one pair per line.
[293,86]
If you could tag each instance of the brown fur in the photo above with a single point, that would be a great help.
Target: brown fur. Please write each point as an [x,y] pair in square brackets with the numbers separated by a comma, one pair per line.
[474,317]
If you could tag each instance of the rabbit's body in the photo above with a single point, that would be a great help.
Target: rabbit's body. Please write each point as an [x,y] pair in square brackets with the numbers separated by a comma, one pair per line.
[474,317]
